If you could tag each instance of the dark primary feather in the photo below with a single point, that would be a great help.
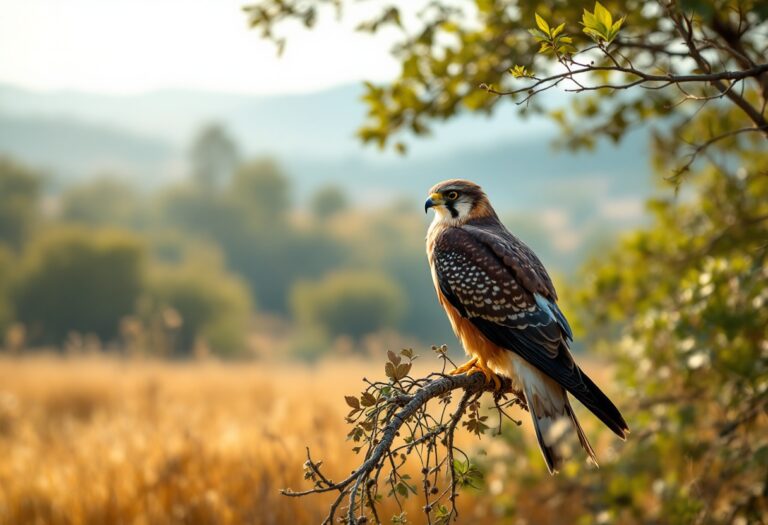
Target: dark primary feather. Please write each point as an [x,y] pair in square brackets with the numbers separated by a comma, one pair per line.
[493,279]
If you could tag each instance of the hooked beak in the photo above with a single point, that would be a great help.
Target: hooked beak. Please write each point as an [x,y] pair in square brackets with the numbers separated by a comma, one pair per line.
[434,200]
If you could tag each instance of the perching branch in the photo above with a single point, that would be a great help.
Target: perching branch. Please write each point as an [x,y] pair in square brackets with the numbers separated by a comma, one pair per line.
[393,419]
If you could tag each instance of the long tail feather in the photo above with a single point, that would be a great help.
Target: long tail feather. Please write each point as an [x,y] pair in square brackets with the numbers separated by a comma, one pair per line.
[553,418]
[582,437]
[598,403]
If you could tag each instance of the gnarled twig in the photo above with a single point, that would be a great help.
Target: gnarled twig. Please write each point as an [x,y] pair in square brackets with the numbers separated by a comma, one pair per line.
[387,408]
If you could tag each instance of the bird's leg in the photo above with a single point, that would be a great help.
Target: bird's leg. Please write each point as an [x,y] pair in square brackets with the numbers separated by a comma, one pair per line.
[476,365]
[482,367]
[463,368]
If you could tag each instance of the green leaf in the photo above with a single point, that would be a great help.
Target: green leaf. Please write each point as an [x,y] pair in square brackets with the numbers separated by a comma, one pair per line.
[467,474]
[543,25]
[603,16]
[520,72]
[559,29]
[402,489]
[599,25]
[538,35]
[588,20]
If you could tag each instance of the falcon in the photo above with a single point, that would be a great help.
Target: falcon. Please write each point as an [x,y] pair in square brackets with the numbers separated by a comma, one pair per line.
[502,306]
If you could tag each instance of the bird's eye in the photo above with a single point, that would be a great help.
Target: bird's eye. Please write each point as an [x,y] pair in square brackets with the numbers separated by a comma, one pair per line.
[453,195]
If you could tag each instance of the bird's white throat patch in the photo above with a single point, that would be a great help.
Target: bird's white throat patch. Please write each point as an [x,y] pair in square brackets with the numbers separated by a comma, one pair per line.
[443,214]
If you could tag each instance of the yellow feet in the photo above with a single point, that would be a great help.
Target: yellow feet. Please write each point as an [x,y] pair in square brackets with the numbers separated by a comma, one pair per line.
[475,366]
[463,368]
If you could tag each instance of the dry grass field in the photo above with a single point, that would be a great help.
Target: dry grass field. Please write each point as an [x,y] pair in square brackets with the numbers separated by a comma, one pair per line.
[108,441]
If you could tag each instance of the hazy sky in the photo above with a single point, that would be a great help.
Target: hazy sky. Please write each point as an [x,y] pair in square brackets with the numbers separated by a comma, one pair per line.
[125,46]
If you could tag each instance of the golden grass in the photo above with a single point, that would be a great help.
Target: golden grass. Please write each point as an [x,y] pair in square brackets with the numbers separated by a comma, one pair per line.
[102,441]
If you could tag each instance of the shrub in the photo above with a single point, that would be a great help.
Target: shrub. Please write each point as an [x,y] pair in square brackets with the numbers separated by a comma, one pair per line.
[328,201]
[77,279]
[192,306]
[349,303]
[102,202]
[6,273]
[19,196]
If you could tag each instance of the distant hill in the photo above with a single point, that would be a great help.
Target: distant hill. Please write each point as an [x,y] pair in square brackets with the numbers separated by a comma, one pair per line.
[320,124]
[73,150]
[75,135]
[276,124]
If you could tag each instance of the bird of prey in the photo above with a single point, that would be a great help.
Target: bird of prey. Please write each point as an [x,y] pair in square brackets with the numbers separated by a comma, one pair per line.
[503,308]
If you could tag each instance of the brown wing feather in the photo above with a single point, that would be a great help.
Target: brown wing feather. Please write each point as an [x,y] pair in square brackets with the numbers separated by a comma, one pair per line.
[493,280]
[517,256]
[472,277]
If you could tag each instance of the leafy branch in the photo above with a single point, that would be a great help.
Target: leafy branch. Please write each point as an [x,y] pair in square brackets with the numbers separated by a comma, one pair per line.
[709,57]
[391,421]
[603,67]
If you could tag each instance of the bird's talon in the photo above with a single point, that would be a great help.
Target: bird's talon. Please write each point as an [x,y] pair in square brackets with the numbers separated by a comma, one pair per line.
[489,374]
[464,368]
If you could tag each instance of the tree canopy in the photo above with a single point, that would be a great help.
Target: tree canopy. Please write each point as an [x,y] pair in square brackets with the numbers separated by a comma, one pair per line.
[696,70]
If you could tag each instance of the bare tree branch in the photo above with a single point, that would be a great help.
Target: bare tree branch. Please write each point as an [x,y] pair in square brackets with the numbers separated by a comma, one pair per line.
[684,27]
[699,148]
[642,78]
[359,488]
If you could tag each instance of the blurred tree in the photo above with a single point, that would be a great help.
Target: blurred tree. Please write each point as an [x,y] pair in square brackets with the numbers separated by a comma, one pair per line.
[175,248]
[262,188]
[7,271]
[248,219]
[193,210]
[272,260]
[106,201]
[214,156]
[349,303]
[195,305]
[328,201]
[76,279]
[391,241]
[19,202]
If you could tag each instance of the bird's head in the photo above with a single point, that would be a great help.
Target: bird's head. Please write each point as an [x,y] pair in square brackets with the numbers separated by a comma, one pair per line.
[458,201]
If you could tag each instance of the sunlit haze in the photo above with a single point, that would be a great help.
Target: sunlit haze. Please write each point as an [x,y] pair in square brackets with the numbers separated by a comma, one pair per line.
[129,46]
